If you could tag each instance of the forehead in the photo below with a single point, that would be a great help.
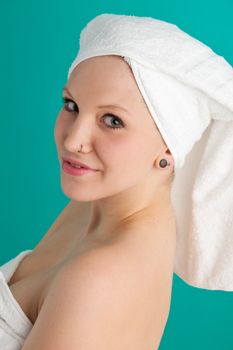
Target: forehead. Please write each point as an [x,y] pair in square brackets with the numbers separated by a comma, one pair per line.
[108,73]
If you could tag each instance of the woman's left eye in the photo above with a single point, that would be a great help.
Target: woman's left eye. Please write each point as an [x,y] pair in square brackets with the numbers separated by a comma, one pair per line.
[116,127]
[67,101]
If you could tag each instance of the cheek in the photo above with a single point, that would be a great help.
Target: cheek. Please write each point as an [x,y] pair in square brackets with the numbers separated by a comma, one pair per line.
[59,129]
[116,150]
[135,158]
[123,156]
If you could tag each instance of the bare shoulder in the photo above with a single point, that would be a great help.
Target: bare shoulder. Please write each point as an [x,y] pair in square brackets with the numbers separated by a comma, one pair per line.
[106,298]
[72,210]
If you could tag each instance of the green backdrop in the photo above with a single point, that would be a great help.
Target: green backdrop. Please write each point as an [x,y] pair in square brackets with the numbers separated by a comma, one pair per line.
[39,40]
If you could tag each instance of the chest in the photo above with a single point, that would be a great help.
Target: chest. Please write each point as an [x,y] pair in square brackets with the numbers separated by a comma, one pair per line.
[35,273]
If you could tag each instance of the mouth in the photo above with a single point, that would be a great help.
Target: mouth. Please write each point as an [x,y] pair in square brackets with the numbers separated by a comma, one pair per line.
[76,163]
[76,169]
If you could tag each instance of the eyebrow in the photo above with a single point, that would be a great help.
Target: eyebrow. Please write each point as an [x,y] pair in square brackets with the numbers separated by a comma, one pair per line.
[101,106]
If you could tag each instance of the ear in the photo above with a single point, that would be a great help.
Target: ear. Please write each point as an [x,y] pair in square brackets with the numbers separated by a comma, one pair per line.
[166,154]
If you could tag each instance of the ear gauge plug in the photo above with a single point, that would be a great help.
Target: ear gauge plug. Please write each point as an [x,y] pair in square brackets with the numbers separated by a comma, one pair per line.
[163,163]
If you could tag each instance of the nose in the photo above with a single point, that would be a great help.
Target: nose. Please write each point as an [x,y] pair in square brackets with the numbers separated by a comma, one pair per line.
[79,132]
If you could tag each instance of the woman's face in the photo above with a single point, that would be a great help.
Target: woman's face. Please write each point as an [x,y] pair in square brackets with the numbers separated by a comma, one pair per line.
[121,140]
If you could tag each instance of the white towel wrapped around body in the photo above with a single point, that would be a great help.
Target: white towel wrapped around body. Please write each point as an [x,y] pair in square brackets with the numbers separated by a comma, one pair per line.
[188,89]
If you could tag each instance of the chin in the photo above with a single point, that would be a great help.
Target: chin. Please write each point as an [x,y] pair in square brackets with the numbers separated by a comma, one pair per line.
[76,192]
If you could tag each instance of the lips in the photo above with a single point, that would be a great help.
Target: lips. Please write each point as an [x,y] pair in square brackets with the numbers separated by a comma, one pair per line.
[76,163]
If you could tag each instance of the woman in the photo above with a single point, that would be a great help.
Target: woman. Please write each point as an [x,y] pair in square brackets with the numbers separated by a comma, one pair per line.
[101,277]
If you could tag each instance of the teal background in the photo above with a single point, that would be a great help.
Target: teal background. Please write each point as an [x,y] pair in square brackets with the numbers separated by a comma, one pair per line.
[38,42]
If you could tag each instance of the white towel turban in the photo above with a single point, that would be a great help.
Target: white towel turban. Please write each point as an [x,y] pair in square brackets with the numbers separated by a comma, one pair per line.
[189,92]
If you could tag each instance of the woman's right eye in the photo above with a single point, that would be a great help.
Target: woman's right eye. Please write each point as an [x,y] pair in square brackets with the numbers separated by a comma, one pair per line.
[67,103]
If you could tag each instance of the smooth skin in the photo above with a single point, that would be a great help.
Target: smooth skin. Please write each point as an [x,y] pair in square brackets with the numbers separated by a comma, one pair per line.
[117,295]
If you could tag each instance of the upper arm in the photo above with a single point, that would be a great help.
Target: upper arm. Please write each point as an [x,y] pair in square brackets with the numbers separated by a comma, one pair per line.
[92,304]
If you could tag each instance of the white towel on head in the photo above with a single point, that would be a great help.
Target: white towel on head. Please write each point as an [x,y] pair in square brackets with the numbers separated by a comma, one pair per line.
[188,89]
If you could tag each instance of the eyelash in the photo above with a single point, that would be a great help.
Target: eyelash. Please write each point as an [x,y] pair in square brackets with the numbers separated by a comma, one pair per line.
[66,100]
